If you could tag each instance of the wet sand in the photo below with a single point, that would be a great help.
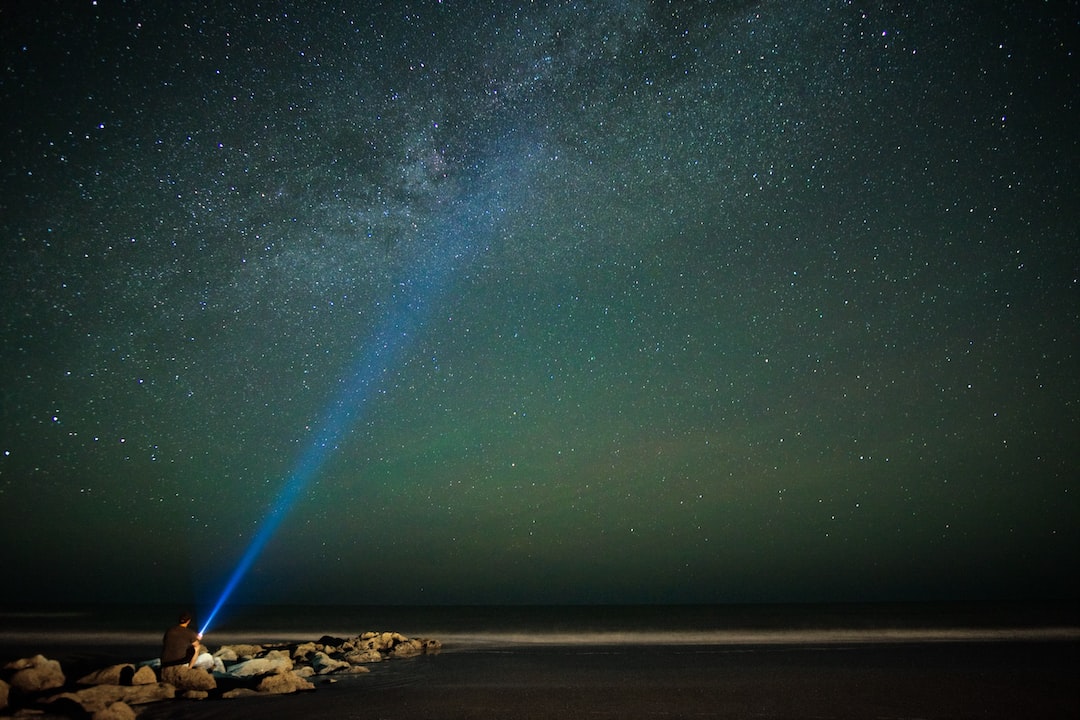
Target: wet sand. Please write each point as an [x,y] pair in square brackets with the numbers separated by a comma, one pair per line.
[937,680]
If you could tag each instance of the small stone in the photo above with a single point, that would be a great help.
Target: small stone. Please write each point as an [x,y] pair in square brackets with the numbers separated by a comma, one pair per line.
[119,710]
[239,693]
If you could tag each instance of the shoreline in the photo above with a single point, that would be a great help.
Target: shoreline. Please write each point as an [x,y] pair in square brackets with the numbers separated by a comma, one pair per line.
[935,681]
[925,673]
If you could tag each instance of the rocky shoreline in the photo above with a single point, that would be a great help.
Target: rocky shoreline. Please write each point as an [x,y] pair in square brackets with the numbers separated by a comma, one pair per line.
[35,685]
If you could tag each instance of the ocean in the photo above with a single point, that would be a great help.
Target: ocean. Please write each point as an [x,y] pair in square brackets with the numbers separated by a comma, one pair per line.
[756,661]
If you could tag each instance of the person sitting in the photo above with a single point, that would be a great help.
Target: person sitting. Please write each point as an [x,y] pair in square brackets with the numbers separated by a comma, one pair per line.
[183,661]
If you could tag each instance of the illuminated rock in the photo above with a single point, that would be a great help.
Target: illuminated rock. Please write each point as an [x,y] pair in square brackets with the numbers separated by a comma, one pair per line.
[408,648]
[283,684]
[324,664]
[144,676]
[100,697]
[304,650]
[119,710]
[232,653]
[275,661]
[358,657]
[239,693]
[113,675]
[184,678]
[36,674]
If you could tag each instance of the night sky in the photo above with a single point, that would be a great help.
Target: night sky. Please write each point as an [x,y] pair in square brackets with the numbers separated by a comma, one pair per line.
[550,302]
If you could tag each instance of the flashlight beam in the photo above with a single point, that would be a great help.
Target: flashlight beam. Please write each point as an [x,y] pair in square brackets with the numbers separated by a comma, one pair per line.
[465,232]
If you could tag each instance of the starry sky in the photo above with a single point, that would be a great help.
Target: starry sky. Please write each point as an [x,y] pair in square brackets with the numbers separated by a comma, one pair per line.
[540,302]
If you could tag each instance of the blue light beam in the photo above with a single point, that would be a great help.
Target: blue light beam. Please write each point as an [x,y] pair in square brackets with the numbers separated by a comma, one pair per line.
[464,234]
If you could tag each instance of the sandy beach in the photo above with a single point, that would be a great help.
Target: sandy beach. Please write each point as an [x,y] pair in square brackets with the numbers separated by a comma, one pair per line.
[929,681]
[925,662]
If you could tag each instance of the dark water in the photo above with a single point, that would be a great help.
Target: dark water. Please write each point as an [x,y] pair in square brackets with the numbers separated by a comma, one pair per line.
[841,661]
[84,628]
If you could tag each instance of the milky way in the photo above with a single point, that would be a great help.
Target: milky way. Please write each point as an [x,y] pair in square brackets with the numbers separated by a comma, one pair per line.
[685,302]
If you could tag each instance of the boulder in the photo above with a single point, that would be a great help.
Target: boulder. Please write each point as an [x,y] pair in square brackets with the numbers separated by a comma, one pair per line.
[226,654]
[144,676]
[376,641]
[283,684]
[408,648]
[112,675]
[230,653]
[100,697]
[184,678]
[324,664]
[303,651]
[119,710]
[111,693]
[358,657]
[36,674]
[275,661]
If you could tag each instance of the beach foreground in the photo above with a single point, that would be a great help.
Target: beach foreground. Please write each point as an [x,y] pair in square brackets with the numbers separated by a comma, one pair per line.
[940,680]
[872,661]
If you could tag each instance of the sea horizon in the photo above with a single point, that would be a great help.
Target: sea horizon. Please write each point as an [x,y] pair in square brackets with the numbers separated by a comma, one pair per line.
[464,627]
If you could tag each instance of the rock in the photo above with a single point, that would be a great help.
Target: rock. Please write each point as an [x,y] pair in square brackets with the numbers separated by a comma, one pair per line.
[275,661]
[303,651]
[119,710]
[36,674]
[144,676]
[239,651]
[408,648]
[324,664]
[184,678]
[112,692]
[99,697]
[283,684]
[376,641]
[227,654]
[112,675]
[239,693]
[358,657]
